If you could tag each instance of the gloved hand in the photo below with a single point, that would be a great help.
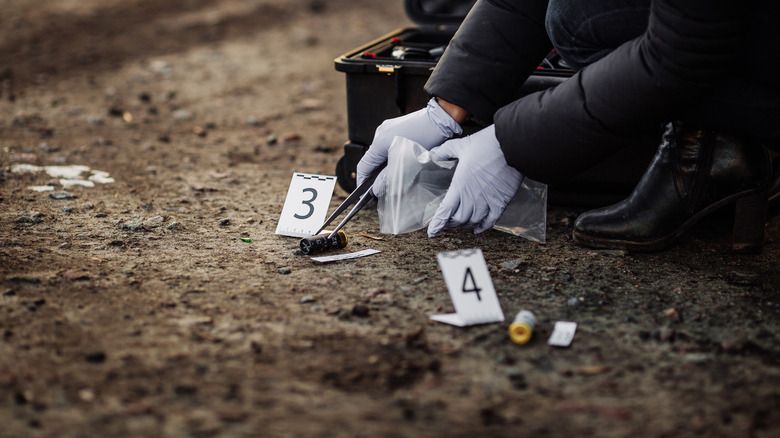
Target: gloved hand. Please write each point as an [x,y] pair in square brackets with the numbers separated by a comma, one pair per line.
[482,186]
[429,127]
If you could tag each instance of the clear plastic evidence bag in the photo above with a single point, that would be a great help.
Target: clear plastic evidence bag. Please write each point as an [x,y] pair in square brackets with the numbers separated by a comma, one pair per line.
[416,185]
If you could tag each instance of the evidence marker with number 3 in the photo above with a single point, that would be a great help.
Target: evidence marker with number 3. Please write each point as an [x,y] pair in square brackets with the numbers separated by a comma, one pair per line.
[521,330]
[324,241]
[305,205]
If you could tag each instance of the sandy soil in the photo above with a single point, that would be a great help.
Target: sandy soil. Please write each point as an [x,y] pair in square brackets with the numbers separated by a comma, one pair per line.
[138,308]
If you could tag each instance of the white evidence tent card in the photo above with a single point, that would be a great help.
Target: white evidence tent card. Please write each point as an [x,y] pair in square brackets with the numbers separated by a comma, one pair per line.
[563,334]
[471,289]
[306,205]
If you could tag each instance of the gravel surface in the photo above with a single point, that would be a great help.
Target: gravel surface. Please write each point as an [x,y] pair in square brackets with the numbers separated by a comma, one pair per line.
[160,302]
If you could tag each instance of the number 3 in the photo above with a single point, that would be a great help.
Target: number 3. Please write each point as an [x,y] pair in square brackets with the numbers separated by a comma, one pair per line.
[308,203]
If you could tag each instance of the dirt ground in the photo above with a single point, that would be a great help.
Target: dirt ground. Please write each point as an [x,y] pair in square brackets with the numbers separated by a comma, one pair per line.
[140,308]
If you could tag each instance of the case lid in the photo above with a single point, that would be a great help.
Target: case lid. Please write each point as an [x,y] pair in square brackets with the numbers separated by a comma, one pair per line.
[438,12]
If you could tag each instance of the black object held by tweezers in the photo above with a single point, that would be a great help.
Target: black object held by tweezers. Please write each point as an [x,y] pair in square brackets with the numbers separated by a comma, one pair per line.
[362,195]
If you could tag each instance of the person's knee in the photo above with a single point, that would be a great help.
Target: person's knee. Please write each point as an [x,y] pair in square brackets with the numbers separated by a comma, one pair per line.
[556,21]
[584,32]
[561,24]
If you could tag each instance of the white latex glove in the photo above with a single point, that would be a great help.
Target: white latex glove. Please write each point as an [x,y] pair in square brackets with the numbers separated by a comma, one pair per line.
[482,186]
[429,127]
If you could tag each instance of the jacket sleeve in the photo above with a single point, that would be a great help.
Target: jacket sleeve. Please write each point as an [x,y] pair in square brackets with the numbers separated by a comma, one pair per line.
[688,47]
[499,44]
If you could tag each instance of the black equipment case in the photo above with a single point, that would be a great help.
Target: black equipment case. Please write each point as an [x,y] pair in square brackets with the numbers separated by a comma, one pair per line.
[385,79]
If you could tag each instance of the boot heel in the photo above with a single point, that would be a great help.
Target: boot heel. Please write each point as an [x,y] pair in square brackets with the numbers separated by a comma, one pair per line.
[749,223]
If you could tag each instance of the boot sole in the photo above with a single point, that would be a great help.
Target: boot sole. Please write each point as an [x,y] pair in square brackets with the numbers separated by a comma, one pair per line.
[756,196]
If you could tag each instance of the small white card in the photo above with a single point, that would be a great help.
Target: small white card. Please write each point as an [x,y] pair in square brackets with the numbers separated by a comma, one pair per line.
[352,255]
[563,334]
[306,205]
[471,289]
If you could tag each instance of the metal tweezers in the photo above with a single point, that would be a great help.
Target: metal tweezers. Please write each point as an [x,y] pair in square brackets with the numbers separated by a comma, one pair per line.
[362,195]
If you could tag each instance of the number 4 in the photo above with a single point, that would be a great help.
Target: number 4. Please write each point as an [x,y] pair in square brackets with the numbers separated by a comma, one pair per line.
[473,286]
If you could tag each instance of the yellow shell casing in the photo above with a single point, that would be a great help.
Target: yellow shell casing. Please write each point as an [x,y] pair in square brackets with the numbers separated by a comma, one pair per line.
[520,332]
[522,328]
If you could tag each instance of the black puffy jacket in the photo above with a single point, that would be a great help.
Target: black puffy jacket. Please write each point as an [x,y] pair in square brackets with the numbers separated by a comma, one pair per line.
[694,56]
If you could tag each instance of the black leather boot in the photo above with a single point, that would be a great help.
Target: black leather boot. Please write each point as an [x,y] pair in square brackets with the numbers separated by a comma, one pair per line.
[774,191]
[693,173]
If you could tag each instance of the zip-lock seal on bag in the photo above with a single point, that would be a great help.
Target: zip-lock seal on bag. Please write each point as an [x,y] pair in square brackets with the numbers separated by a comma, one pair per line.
[415,185]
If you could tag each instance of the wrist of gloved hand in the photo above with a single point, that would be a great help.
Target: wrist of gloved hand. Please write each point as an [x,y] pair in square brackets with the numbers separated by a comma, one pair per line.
[482,186]
[429,127]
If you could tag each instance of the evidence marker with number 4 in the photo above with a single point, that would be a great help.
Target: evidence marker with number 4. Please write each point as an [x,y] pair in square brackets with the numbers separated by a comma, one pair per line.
[522,328]
[324,241]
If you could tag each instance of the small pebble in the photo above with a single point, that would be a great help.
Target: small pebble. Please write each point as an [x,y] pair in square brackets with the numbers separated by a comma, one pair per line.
[361,310]
[697,358]
[182,114]
[285,271]
[512,264]
[95,357]
[61,195]
[290,137]
[29,217]
[95,120]
[517,379]
[86,395]
[307,299]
